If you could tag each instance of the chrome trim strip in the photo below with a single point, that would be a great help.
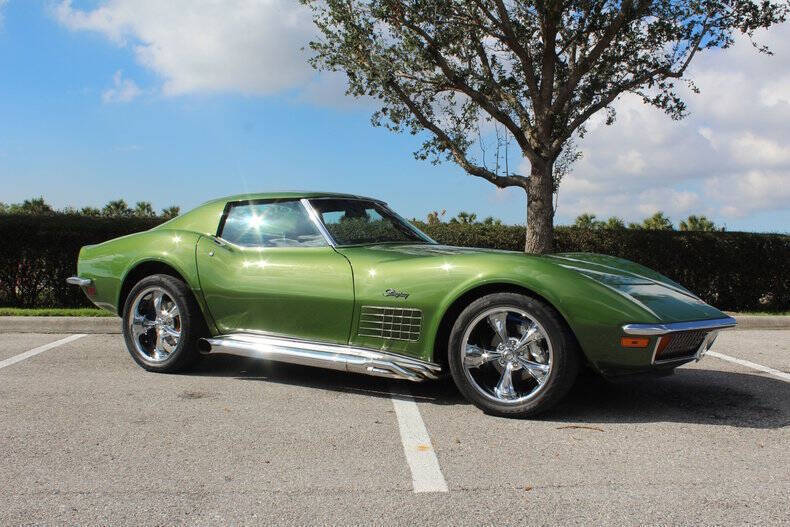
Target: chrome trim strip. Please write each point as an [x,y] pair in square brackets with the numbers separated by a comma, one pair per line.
[76,280]
[673,327]
[322,355]
[317,222]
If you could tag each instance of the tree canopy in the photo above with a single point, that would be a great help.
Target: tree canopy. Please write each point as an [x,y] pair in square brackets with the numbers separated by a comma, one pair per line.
[532,72]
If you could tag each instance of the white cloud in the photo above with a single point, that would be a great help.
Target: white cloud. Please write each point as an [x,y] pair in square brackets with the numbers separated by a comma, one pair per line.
[729,159]
[2,5]
[123,90]
[199,46]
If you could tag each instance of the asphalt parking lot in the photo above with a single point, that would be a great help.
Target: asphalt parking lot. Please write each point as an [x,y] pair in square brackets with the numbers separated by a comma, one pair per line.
[88,437]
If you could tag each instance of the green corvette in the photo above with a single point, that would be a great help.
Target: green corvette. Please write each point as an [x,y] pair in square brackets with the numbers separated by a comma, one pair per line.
[340,281]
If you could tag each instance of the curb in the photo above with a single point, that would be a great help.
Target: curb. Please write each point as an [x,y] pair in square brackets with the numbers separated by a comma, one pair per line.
[112,325]
[60,325]
[761,321]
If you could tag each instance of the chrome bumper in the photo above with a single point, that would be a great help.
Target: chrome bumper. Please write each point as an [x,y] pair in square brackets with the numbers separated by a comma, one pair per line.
[673,327]
[76,280]
[710,329]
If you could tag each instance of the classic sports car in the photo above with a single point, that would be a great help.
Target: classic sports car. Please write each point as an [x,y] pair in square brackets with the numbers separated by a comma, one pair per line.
[342,282]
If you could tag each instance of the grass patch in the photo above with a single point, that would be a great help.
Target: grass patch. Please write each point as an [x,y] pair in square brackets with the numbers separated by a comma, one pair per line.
[54,312]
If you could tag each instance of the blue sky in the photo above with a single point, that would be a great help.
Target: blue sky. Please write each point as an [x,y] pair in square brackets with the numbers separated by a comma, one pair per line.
[135,100]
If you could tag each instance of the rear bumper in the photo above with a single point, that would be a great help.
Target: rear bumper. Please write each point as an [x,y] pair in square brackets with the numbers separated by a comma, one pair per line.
[76,280]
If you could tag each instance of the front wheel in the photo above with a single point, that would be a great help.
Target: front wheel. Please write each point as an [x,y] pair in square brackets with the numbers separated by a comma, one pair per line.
[162,324]
[512,355]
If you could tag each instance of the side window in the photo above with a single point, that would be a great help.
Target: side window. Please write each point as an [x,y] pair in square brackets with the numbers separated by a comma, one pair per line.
[275,224]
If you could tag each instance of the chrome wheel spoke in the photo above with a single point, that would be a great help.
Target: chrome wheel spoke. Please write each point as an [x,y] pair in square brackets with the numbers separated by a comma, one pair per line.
[498,322]
[508,367]
[538,371]
[172,312]
[153,309]
[529,335]
[537,353]
[475,356]
[157,301]
[504,388]
[141,325]
[169,331]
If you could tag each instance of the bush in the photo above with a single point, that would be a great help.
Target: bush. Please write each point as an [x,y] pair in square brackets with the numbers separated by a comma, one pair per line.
[40,252]
[731,270]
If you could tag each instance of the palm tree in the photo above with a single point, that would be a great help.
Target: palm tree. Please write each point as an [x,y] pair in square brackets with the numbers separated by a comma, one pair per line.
[33,206]
[116,209]
[697,223]
[614,223]
[587,221]
[171,212]
[490,220]
[90,211]
[465,218]
[143,209]
[657,222]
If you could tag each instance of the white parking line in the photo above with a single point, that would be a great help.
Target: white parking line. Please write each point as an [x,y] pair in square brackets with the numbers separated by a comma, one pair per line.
[776,373]
[40,349]
[426,476]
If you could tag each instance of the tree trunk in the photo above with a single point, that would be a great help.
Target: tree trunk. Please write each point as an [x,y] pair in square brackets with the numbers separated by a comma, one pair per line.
[540,210]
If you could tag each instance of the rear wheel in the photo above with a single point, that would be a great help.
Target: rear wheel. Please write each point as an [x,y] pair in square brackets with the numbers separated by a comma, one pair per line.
[162,324]
[512,355]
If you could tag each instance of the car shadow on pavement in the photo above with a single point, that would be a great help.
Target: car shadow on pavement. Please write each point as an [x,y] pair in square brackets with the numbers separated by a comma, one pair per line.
[691,395]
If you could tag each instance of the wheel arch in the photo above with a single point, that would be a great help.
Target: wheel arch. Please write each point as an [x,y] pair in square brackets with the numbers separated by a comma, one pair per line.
[150,267]
[455,308]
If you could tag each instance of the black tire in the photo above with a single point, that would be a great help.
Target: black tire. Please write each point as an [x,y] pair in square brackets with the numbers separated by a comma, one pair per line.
[565,361]
[191,324]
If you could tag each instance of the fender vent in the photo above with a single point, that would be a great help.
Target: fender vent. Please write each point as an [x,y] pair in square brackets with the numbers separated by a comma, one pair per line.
[394,323]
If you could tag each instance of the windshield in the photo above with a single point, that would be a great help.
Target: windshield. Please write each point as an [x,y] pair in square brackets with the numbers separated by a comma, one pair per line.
[356,222]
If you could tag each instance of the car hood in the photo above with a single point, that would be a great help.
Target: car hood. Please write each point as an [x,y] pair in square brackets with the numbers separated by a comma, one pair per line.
[665,299]
[658,295]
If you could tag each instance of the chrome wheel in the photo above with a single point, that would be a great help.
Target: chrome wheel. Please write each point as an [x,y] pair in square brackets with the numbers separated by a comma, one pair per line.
[506,355]
[155,324]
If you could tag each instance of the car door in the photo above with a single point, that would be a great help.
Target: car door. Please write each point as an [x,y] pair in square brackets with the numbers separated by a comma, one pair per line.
[270,270]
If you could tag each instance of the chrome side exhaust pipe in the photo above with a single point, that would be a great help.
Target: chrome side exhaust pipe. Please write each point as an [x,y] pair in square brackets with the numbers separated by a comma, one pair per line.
[320,355]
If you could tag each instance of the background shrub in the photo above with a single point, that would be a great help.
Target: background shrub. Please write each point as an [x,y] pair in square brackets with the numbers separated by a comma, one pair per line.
[731,270]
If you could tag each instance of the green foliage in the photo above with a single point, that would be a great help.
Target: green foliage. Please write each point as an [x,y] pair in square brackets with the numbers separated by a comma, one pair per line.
[440,68]
[698,223]
[436,216]
[589,221]
[40,252]
[171,212]
[117,209]
[54,312]
[464,218]
[731,270]
[90,211]
[29,206]
[143,209]
[657,222]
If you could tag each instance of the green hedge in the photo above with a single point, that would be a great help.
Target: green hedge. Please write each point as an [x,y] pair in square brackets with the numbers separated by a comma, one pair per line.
[731,270]
[40,252]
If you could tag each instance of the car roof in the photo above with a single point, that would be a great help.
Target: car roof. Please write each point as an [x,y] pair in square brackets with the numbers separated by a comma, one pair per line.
[288,195]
